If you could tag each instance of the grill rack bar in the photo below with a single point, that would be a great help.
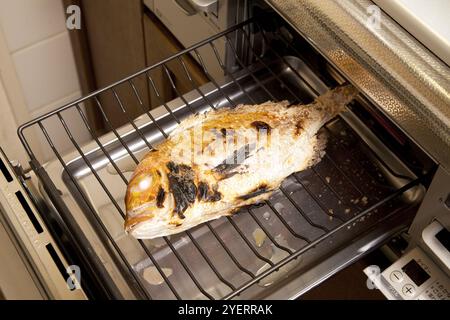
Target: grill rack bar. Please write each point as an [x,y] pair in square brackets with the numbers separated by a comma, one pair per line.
[120,210]
[128,266]
[323,237]
[254,278]
[130,77]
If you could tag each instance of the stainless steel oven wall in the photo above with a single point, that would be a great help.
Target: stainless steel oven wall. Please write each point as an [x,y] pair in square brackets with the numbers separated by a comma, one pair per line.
[409,83]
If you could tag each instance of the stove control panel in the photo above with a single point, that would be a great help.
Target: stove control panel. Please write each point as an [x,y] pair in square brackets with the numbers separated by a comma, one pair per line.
[416,277]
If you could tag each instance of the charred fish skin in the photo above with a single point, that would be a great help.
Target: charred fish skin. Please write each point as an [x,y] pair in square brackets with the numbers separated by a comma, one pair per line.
[214,163]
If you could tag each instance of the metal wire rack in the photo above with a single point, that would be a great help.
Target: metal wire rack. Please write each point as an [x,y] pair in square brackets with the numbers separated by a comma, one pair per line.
[308,209]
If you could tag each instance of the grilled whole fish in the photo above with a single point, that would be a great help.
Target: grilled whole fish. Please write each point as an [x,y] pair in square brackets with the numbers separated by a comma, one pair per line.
[214,163]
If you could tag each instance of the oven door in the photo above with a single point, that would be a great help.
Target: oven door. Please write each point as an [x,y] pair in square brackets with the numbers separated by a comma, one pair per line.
[35,266]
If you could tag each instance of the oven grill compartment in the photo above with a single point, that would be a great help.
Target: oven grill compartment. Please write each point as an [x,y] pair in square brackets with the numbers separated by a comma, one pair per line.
[321,213]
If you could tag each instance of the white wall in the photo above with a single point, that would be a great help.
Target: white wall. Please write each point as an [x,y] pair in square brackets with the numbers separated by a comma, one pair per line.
[40,54]
[8,125]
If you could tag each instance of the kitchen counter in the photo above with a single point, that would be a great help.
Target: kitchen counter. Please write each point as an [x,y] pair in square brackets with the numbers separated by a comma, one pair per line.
[425,20]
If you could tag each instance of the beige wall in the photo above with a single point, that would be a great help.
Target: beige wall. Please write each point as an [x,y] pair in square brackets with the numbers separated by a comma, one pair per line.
[37,68]
[8,125]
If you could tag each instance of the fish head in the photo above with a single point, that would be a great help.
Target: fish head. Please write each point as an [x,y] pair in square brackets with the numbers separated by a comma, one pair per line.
[146,195]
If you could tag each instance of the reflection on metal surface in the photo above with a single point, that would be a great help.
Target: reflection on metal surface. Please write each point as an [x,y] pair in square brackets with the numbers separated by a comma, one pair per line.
[152,276]
[277,255]
[259,237]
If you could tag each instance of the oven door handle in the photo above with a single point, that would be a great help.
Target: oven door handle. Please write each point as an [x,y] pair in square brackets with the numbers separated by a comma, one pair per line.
[186,7]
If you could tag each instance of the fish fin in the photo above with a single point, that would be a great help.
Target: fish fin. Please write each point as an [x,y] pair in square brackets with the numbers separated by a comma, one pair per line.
[232,212]
[320,143]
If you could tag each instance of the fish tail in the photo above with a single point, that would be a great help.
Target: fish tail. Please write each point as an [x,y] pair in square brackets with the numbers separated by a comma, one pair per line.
[336,99]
